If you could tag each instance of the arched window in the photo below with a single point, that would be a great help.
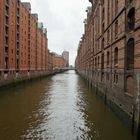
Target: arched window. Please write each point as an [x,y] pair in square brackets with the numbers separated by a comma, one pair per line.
[131,19]
[130,54]
[108,57]
[116,57]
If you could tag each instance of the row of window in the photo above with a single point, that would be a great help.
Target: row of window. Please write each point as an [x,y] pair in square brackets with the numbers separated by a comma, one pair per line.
[130,26]
[129,80]
[108,76]
[129,56]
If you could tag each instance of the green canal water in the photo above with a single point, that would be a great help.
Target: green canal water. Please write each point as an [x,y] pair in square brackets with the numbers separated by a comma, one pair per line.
[60,107]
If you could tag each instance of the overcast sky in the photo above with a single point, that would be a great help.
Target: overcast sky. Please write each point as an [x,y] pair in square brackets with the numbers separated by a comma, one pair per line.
[64,22]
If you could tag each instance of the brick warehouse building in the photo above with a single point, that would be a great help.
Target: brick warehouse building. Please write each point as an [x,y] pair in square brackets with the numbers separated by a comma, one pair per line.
[58,61]
[19,39]
[23,43]
[109,56]
[9,13]
[55,62]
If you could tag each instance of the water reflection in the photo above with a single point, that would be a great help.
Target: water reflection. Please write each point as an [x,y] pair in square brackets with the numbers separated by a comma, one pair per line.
[57,108]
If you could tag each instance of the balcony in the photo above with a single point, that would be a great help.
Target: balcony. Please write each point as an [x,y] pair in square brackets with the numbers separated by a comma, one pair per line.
[6,54]
[7,21]
[18,37]
[6,46]
[6,40]
[7,11]
[17,56]
[17,52]
[18,46]
[18,21]
[6,34]
[6,31]
[18,2]
[18,29]
[7,3]
[18,12]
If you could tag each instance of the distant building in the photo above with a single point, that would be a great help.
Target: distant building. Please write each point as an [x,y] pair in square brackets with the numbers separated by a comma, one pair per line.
[56,61]
[65,55]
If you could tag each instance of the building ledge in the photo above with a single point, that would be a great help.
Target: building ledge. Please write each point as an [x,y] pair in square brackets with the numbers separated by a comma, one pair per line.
[129,94]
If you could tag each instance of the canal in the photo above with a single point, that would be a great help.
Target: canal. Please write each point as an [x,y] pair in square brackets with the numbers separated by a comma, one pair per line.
[60,107]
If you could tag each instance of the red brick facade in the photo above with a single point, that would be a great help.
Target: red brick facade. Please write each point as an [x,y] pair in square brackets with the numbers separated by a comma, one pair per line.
[108,54]
[12,37]
[23,42]
[59,62]
[3,23]
[44,50]
[50,62]
[33,42]
[39,48]
[24,45]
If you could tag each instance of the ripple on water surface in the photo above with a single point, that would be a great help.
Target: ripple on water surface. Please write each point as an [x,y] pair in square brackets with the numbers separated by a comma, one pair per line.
[57,108]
